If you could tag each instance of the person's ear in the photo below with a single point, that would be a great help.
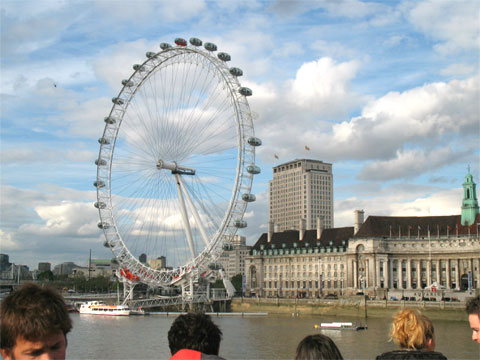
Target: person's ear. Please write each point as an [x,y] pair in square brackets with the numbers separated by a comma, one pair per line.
[6,354]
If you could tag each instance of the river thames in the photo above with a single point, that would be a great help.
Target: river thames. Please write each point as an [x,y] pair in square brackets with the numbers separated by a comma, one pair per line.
[259,337]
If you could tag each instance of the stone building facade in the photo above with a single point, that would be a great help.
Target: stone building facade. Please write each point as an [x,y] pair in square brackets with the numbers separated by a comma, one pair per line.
[381,254]
[233,256]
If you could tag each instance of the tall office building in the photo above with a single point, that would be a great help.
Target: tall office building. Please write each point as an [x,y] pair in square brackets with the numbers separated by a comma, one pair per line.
[301,189]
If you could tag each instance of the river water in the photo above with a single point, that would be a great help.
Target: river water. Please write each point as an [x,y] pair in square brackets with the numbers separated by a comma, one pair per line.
[259,337]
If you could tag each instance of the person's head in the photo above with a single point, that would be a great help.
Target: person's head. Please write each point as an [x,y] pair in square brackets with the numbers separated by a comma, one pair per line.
[412,330]
[473,311]
[317,347]
[194,331]
[34,324]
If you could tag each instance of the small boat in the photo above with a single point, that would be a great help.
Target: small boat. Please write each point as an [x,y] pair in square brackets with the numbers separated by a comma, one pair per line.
[100,308]
[340,326]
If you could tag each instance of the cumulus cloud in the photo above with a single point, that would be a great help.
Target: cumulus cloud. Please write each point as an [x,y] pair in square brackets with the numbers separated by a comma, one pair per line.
[47,223]
[398,201]
[454,24]
[410,163]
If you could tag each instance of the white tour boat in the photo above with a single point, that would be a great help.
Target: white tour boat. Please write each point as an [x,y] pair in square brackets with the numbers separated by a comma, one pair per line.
[100,308]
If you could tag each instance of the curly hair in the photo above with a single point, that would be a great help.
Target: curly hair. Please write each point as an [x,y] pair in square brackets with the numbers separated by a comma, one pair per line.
[411,329]
[194,331]
[32,313]
[317,346]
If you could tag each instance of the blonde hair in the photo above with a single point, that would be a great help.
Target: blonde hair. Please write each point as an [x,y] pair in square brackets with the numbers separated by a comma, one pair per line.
[411,329]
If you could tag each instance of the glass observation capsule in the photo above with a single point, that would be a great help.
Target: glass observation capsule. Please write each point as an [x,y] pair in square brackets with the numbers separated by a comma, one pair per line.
[210,46]
[195,41]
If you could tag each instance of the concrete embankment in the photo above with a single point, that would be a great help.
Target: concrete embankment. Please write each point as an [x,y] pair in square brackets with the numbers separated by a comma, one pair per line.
[351,307]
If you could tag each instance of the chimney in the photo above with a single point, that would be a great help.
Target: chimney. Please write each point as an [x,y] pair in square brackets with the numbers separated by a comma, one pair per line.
[270,231]
[301,229]
[358,220]
[319,227]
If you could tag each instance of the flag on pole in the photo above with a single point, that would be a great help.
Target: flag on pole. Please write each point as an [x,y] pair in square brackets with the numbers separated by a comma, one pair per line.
[307,148]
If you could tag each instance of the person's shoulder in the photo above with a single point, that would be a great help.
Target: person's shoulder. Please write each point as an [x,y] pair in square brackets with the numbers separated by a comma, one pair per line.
[411,355]
[187,354]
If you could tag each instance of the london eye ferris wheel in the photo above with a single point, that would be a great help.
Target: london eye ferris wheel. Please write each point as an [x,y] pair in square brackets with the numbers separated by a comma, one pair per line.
[176,163]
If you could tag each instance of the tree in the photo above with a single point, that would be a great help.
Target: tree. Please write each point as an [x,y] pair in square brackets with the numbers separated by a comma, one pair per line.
[46,276]
[237,282]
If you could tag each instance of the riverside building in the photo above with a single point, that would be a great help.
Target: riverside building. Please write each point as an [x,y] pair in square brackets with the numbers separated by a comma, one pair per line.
[301,189]
[233,256]
[383,253]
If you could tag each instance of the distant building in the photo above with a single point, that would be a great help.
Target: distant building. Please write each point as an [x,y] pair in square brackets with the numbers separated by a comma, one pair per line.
[4,262]
[65,268]
[158,263]
[233,256]
[301,190]
[102,267]
[44,266]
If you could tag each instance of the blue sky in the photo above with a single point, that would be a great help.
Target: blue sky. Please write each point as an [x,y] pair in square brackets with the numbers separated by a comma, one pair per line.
[387,91]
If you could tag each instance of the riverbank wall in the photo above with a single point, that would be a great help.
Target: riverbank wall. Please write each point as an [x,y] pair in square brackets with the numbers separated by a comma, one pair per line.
[357,306]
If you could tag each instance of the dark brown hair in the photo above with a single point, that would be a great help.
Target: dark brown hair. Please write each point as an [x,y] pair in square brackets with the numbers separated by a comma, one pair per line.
[318,346]
[473,306]
[194,331]
[32,313]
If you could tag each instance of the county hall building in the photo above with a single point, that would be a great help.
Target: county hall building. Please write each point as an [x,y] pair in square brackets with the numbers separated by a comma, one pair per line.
[377,254]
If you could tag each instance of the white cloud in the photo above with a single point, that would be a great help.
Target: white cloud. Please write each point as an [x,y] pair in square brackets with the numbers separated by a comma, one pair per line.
[41,154]
[322,87]
[395,201]
[453,23]
[409,163]
[458,70]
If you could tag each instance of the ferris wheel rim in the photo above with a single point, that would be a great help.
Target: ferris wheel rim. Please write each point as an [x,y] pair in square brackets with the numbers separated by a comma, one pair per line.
[243,181]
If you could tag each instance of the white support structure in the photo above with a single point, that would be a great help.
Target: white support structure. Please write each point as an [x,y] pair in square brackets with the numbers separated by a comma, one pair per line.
[193,210]
[188,230]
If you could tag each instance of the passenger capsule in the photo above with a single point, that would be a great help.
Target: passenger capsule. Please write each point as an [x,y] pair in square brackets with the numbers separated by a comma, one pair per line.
[127,83]
[117,100]
[165,46]
[138,67]
[248,197]
[150,54]
[103,225]
[224,56]
[215,266]
[245,91]
[99,184]
[254,141]
[195,41]
[180,42]
[240,224]
[100,162]
[236,71]
[253,169]
[100,205]
[103,141]
[227,247]
[107,244]
[210,46]
[110,120]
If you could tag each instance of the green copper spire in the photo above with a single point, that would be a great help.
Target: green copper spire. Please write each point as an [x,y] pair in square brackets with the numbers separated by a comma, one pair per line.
[470,203]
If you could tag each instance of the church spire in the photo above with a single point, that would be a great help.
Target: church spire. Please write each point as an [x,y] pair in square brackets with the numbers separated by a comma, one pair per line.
[470,207]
